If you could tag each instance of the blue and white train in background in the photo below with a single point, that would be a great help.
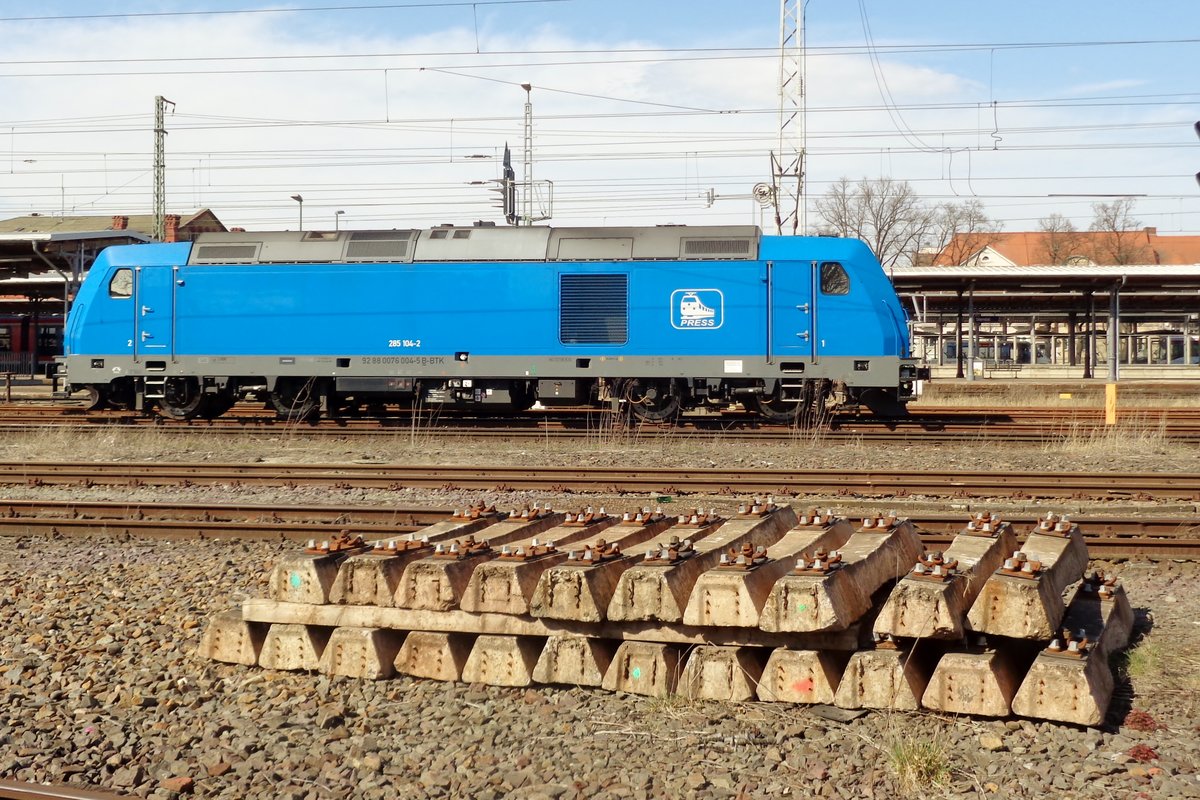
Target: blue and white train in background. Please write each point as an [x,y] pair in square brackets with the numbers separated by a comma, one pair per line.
[656,319]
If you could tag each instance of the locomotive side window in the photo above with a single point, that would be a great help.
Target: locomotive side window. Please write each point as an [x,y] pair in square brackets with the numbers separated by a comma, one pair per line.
[594,309]
[834,279]
[121,284]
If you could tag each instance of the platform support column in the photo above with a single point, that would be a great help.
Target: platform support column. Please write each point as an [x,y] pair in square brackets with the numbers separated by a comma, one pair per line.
[1114,335]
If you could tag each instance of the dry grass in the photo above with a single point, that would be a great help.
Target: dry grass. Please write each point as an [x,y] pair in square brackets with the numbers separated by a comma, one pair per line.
[919,763]
[1072,448]
[1135,442]
[1087,396]
[1155,665]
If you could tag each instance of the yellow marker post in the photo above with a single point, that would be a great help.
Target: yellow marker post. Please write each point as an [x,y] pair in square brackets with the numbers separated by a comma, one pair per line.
[1110,404]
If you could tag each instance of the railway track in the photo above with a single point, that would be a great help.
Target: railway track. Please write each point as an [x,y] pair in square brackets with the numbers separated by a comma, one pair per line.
[619,480]
[926,424]
[1108,535]
[20,790]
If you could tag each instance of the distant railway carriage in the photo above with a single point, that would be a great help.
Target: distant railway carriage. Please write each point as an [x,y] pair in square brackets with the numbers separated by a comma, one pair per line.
[658,319]
[29,341]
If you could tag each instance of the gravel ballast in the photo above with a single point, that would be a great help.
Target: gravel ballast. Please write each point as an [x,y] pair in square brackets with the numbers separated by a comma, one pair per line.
[101,686]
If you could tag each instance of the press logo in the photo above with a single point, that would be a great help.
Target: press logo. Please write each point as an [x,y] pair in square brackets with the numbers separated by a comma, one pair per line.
[697,308]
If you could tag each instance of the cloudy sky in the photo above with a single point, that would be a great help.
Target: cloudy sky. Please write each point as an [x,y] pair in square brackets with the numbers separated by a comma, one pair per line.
[650,112]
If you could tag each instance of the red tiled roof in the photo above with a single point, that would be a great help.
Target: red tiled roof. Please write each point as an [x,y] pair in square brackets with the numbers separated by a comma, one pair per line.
[1027,248]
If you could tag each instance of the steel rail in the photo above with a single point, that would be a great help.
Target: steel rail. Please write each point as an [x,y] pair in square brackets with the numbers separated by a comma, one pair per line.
[926,425]
[20,790]
[618,480]
[1108,535]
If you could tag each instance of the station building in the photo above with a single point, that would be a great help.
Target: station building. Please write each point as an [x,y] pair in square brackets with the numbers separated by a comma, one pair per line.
[43,259]
[1040,305]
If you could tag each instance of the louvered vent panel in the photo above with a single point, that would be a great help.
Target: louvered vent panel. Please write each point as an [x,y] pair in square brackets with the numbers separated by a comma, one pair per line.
[715,247]
[226,252]
[595,309]
[362,248]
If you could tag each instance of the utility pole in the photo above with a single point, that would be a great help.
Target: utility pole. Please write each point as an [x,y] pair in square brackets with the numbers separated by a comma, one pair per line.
[787,162]
[160,168]
[527,199]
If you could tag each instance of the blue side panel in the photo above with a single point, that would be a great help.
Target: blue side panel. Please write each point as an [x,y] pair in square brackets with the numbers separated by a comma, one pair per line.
[103,325]
[443,308]
[675,308]
[867,321]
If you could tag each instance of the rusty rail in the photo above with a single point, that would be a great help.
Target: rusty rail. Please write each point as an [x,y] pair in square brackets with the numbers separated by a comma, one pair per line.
[1108,536]
[19,790]
[667,482]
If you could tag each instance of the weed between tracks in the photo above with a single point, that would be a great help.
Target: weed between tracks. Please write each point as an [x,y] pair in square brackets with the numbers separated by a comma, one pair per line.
[1172,670]
[919,763]
[1128,438]
[605,444]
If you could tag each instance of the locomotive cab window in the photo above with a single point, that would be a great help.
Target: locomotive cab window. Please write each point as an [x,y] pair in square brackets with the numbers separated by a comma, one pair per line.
[121,284]
[834,279]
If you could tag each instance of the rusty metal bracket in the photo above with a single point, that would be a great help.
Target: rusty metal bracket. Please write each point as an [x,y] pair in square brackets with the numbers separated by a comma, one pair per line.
[819,563]
[527,513]
[746,559]
[1069,645]
[757,508]
[934,567]
[1054,525]
[985,524]
[1020,566]
[813,518]
[473,512]
[458,550]
[342,543]
[1100,586]
[880,523]
[393,547]
[585,518]
[671,553]
[699,518]
[885,641]
[529,552]
[599,553]
[642,518]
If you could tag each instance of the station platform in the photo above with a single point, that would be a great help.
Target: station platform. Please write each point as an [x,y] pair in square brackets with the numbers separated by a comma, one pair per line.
[1057,392]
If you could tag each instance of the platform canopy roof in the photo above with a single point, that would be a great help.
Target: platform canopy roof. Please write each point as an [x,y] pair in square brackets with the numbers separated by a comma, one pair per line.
[38,252]
[1144,289]
[34,263]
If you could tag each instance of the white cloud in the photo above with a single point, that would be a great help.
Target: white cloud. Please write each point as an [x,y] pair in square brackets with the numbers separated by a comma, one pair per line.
[393,144]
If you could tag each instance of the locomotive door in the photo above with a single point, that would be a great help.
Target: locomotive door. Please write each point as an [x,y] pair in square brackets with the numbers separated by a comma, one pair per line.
[791,310]
[153,309]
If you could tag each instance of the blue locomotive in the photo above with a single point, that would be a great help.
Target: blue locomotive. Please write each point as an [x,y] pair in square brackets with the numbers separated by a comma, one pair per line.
[653,319]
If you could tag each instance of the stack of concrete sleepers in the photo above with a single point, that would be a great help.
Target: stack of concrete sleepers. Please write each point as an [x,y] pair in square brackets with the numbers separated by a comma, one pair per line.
[763,605]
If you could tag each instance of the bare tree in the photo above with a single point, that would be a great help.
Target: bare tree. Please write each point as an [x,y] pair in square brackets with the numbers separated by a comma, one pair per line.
[884,213]
[1121,239]
[1061,241]
[960,230]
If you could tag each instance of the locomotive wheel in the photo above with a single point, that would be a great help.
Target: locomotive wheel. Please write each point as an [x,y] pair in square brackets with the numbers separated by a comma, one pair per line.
[652,400]
[522,396]
[294,398]
[120,395]
[215,405]
[772,409]
[181,398]
[97,398]
[819,409]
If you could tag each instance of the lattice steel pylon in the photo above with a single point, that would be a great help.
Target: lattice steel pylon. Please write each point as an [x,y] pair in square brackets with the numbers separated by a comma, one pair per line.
[787,162]
[160,168]
[527,200]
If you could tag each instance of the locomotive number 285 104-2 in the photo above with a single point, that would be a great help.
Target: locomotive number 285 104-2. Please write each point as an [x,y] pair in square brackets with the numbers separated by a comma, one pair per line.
[404,342]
